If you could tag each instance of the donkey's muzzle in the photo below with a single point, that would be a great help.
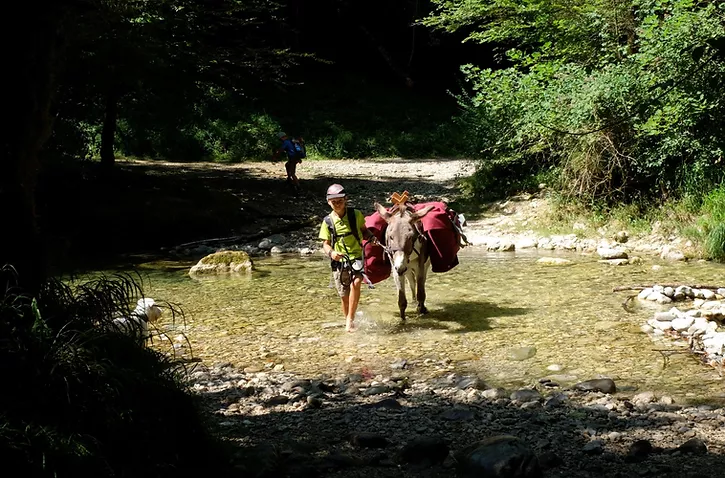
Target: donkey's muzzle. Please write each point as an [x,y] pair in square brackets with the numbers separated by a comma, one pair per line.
[400,262]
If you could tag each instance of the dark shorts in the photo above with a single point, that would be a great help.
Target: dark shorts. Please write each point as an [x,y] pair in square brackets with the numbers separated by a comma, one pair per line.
[343,278]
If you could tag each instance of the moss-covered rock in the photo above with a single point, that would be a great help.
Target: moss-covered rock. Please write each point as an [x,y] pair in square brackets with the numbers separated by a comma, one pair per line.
[223,262]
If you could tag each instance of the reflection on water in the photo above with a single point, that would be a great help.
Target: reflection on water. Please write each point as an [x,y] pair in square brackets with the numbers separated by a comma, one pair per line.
[480,311]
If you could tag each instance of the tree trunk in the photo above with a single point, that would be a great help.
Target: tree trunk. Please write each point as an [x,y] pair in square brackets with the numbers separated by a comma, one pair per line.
[30,62]
[108,134]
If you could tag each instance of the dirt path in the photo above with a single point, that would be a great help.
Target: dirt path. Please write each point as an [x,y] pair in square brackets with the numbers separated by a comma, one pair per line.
[259,200]
[247,199]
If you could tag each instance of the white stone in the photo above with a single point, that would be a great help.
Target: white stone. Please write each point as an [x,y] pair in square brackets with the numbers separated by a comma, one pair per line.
[664,316]
[611,253]
[701,324]
[670,254]
[662,325]
[682,323]
[711,304]
[526,243]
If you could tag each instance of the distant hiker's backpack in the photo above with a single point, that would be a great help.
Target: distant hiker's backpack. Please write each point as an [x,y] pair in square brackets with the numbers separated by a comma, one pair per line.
[300,152]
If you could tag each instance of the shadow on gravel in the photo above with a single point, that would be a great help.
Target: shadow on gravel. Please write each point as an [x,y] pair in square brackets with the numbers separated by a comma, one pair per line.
[356,436]
[90,218]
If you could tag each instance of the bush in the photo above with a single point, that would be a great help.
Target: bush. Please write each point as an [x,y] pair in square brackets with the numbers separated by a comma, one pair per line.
[625,103]
[86,401]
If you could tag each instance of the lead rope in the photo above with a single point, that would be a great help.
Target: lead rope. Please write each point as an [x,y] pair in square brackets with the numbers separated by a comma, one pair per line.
[365,277]
[348,261]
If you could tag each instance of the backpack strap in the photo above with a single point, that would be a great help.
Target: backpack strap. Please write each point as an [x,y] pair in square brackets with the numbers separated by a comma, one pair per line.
[352,220]
[331,228]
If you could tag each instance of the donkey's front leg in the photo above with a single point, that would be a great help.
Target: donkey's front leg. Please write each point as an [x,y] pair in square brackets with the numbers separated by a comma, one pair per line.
[402,300]
[420,286]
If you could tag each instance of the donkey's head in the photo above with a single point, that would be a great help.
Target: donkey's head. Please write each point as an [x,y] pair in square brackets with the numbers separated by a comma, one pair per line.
[401,233]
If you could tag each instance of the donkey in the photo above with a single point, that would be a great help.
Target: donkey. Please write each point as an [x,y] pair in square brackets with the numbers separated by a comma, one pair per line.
[407,249]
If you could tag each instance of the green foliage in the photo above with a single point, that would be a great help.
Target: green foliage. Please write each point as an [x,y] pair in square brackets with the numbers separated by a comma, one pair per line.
[715,244]
[497,179]
[348,119]
[85,400]
[712,223]
[354,118]
[154,65]
[623,98]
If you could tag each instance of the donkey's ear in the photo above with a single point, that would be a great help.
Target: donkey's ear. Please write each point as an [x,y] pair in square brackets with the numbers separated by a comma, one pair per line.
[418,215]
[383,212]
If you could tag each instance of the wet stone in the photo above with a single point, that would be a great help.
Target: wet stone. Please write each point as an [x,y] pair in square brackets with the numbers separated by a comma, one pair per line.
[293,384]
[471,382]
[389,403]
[695,446]
[425,450]
[494,393]
[525,395]
[639,451]
[380,389]
[368,440]
[277,400]
[314,402]
[604,385]
[522,353]
[500,456]
[399,364]
[594,447]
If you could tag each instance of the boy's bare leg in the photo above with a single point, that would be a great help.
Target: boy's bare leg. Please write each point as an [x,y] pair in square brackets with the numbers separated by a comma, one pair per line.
[354,299]
[349,326]
[345,304]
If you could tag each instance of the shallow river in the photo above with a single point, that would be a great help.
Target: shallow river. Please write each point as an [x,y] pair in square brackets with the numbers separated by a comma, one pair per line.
[492,303]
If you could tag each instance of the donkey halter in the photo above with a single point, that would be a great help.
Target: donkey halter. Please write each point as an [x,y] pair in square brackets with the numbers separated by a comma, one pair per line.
[399,200]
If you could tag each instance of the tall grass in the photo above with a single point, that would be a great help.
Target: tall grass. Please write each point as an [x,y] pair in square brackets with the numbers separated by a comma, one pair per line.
[81,400]
[712,223]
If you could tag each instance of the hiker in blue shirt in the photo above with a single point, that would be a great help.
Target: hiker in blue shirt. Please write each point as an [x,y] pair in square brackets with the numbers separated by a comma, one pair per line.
[294,149]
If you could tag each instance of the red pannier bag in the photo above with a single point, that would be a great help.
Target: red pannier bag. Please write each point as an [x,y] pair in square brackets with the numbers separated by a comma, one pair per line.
[438,226]
[377,265]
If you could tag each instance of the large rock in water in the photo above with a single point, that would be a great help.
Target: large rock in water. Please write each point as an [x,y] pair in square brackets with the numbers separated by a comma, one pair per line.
[223,262]
[500,456]
[604,385]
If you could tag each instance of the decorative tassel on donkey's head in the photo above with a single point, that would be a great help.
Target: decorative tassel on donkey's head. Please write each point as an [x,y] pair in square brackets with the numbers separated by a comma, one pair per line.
[400,201]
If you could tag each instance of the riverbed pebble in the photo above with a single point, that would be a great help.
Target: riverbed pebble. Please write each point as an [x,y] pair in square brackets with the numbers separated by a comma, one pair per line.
[421,425]
[697,327]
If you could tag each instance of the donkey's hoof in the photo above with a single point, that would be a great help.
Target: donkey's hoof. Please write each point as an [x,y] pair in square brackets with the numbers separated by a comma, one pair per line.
[422,310]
